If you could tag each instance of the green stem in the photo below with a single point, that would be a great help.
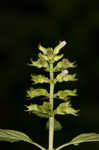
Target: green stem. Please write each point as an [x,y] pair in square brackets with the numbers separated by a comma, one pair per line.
[51,119]
[64,145]
[39,146]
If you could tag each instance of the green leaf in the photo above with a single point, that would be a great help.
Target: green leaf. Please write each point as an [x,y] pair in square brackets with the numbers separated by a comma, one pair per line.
[39,79]
[16,136]
[37,92]
[68,77]
[13,136]
[57,125]
[65,108]
[43,110]
[65,94]
[84,137]
[59,47]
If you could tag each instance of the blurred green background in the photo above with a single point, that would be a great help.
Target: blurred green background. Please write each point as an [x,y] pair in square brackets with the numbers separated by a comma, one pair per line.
[21,24]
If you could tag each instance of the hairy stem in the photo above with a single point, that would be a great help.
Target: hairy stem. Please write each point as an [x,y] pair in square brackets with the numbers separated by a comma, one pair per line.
[51,119]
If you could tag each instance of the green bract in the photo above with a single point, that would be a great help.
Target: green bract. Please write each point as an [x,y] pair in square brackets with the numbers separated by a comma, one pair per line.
[64,64]
[57,125]
[43,110]
[58,57]
[37,92]
[44,57]
[68,77]
[39,63]
[42,49]
[65,108]
[65,94]
[39,79]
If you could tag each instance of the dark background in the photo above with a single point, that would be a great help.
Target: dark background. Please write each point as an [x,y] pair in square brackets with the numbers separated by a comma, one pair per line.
[21,24]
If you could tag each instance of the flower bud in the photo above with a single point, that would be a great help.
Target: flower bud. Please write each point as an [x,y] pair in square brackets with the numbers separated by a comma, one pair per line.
[59,47]
[65,72]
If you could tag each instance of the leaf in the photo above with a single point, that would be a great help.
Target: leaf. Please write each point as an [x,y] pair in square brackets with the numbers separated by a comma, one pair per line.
[13,136]
[68,77]
[84,137]
[37,92]
[43,110]
[65,94]
[39,79]
[65,108]
[16,136]
[57,125]
[59,47]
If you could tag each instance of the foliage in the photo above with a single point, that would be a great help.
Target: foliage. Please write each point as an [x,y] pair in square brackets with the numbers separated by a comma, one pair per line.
[50,60]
